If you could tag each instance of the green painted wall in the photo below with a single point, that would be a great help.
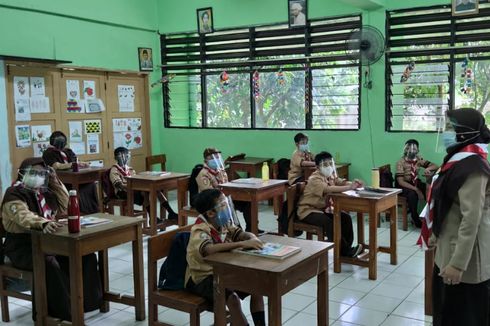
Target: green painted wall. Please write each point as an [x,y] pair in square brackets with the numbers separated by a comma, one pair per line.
[355,147]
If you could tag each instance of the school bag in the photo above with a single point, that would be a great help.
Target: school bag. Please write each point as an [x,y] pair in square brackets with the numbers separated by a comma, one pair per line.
[283,166]
[193,187]
[172,272]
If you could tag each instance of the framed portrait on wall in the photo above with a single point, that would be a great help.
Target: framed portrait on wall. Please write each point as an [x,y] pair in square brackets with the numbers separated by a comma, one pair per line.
[145,57]
[465,7]
[298,13]
[205,20]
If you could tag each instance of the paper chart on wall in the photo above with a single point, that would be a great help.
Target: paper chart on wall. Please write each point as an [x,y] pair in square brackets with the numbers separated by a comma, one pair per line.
[22,109]
[75,128]
[94,105]
[93,126]
[93,146]
[128,139]
[89,89]
[126,98]
[39,104]
[38,148]
[37,86]
[40,133]
[73,103]
[78,148]
[23,135]
[21,87]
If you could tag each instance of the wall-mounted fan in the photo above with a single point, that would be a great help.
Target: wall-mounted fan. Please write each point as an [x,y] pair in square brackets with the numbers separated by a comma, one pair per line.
[366,44]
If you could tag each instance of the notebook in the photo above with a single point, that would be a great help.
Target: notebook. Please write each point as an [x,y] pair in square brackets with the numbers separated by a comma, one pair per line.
[89,221]
[271,250]
[252,181]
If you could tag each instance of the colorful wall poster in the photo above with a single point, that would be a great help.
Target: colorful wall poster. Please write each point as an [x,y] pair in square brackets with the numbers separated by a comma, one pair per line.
[89,89]
[22,109]
[119,125]
[73,103]
[94,105]
[21,87]
[75,128]
[23,135]
[40,133]
[93,146]
[93,126]
[126,98]
[37,87]
[39,147]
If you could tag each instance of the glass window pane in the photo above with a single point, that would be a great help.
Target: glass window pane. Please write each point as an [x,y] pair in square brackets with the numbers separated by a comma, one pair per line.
[184,97]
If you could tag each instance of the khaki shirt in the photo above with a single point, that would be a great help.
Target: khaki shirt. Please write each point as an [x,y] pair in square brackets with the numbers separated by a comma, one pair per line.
[210,179]
[403,167]
[118,180]
[200,237]
[295,168]
[315,197]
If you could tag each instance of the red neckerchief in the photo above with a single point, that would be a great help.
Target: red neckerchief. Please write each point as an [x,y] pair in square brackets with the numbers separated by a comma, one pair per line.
[413,170]
[124,172]
[214,234]
[63,154]
[426,230]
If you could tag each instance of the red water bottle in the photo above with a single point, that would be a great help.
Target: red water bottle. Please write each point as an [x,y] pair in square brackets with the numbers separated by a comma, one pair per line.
[74,166]
[73,213]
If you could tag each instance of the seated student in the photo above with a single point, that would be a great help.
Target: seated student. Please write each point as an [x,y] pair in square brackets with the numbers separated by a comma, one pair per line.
[60,157]
[214,174]
[315,205]
[34,202]
[118,174]
[214,232]
[302,157]
[407,179]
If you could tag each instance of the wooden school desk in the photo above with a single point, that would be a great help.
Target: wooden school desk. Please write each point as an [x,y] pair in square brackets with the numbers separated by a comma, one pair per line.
[151,183]
[251,165]
[76,245]
[83,176]
[254,190]
[373,206]
[272,277]
[342,170]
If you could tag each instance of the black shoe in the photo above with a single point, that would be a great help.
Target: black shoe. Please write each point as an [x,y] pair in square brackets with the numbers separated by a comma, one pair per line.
[159,220]
[173,216]
[417,223]
[356,251]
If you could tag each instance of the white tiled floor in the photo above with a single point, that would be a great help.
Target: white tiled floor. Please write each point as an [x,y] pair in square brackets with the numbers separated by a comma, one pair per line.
[395,298]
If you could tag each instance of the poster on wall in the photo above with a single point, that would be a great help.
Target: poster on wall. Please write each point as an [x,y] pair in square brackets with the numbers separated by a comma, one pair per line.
[38,148]
[22,109]
[37,86]
[23,135]
[21,87]
[93,126]
[93,144]
[78,148]
[39,104]
[94,105]
[128,139]
[73,104]
[75,129]
[41,133]
[89,89]
[126,98]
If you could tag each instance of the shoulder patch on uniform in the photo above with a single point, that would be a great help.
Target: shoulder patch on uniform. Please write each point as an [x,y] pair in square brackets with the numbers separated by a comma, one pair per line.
[13,208]
[205,181]
[204,236]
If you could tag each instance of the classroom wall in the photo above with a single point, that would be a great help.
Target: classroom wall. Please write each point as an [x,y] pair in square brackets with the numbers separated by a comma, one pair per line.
[91,33]
[368,147]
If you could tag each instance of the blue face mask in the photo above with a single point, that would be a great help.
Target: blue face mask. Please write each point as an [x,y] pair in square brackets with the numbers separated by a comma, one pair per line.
[449,138]
[212,164]
[304,147]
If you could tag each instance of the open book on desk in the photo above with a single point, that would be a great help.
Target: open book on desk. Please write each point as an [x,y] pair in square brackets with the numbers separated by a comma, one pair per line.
[89,221]
[271,250]
[368,192]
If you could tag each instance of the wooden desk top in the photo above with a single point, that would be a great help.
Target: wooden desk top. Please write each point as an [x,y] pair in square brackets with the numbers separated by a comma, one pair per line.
[81,171]
[308,249]
[253,183]
[149,177]
[251,160]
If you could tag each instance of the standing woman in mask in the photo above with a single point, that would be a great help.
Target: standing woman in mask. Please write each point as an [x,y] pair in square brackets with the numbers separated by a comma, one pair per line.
[60,157]
[407,169]
[34,202]
[316,207]
[458,223]
[302,157]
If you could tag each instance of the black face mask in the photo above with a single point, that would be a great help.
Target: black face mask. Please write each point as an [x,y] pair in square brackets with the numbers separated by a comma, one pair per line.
[59,143]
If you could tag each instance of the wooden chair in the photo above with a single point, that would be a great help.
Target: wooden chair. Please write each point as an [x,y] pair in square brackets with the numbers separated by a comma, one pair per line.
[158,248]
[229,159]
[156,159]
[185,209]
[8,271]
[402,201]
[293,194]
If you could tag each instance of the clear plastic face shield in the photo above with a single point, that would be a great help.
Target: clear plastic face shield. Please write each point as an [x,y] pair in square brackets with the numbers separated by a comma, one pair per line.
[215,162]
[59,142]
[327,168]
[225,213]
[35,178]
[410,151]
[123,158]
[447,136]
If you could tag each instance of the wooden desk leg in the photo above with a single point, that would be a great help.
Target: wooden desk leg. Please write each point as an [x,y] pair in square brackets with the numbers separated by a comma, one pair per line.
[139,283]
[40,292]
[254,218]
[393,230]
[100,196]
[360,228]
[76,285]
[373,243]
[130,201]
[275,309]
[104,277]
[322,298]
[153,212]
[429,270]
[219,302]
[336,239]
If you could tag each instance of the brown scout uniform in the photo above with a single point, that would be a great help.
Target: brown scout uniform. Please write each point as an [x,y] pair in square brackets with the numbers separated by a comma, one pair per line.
[403,167]
[210,179]
[295,168]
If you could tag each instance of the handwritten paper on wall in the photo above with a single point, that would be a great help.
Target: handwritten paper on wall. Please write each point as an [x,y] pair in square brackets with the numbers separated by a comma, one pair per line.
[22,109]
[126,98]
[40,139]
[127,133]
[39,102]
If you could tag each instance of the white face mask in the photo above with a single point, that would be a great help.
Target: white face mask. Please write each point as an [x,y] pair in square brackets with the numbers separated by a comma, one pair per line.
[33,181]
[326,170]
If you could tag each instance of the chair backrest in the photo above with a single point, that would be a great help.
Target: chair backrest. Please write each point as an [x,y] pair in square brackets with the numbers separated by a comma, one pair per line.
[293,194]
[182,192]
[385,176]
[283,167]
[193,187]
[236,157]
[156,159]
[107,184]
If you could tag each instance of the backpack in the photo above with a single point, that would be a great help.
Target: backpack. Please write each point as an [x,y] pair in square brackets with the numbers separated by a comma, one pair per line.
[283,167]
[107,185]
[385,178]
[172,272]
[193,187]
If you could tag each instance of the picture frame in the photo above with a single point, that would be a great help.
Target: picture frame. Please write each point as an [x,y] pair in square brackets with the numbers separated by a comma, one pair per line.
[465,7]
[205,20]
[297,13]
[145,59]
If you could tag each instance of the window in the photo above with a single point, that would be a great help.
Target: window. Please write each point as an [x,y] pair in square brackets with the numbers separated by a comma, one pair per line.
[276,78]
[450,60]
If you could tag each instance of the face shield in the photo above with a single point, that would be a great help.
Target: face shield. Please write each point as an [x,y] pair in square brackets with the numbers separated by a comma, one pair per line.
[447,136]
[216,162]
[410,151]
[123,158]
[225,213]
[35,178]
[327,168]
[59,142]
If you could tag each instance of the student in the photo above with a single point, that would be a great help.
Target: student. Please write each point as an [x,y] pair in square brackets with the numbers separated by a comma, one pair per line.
[34,202]
[118,174]
[407,179]
[61,157]
[315,205]
[302,157]
[213,174]
[214,232]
